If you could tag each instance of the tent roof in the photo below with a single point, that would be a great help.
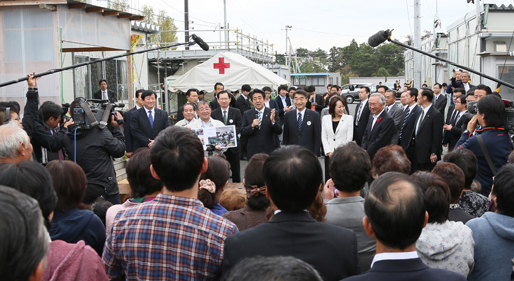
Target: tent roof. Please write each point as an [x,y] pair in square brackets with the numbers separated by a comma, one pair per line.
[231,69]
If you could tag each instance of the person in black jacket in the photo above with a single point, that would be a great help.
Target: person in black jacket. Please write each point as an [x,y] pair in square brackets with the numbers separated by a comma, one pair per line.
[192,98]
[230,116]
[93,149]
[126,127]
[243,101]
[104,93]
[293,178]
[42,125]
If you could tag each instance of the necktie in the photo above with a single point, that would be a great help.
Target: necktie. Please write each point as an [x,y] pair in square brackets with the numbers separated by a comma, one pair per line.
[435,98]
[405,118]
[387,108]
[150,118]
[61,155]
[359,114]
[260,119]
[420,120]
[300,121]
[452,120]
[225,117]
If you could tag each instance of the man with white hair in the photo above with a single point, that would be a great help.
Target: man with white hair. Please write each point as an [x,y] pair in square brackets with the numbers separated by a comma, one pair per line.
[380,128]
[14,144]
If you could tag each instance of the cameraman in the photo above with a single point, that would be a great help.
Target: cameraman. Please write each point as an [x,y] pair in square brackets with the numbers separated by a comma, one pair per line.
[42,125]
[496,139]
[92,149]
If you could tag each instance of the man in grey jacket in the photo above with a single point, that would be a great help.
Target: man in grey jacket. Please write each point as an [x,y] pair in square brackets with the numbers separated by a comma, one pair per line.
[348,210]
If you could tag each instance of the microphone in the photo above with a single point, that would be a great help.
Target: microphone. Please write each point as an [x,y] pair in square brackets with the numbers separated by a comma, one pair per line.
[379,38]
[200,42]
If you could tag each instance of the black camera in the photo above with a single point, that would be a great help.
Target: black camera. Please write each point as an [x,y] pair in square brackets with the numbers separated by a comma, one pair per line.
[508,114]
[92,113]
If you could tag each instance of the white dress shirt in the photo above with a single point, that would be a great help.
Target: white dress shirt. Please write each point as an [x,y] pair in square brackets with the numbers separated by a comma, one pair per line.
[302,113]
[424,116]
[148,114]
[375,118]
[394,256]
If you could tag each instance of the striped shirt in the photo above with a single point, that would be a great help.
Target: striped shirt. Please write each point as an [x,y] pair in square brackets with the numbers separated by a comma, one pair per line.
[169,238]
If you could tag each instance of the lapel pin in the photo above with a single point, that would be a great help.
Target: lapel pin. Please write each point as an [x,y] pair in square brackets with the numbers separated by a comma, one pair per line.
[308,123]
[231,121]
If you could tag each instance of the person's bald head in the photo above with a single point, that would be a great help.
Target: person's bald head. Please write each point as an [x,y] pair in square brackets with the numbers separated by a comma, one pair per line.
[14,144]
[395,209]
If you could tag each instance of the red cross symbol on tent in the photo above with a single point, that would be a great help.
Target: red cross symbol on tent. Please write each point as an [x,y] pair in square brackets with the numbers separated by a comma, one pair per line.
[221,65]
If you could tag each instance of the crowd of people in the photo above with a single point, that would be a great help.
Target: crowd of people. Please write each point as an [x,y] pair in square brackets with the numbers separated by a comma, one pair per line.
[420,190]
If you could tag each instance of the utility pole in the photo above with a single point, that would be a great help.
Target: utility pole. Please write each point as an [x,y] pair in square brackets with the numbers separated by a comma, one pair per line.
[288,62]
[225,26]
[417,43]
[186,22]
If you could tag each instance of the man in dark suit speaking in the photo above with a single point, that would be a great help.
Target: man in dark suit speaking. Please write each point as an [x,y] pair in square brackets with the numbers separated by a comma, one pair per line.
[302,126]
[293,178]
[380,128]
[259,125]
[230,116]
[147,122]
[395,216]
[104,93]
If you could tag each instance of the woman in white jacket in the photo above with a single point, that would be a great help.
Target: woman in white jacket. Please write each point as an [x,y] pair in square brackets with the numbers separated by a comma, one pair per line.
[336,129]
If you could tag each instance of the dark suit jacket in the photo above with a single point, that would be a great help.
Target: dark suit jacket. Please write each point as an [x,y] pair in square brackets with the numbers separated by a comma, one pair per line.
[141,129]
[459,84]
[359,130]
[260,140]
[396,113]
[273,104]
[410,126]
[320,103]
[112,95]
[126,129]
[331,250]
[380,136]
[430,135]
[233,118]
[243,104]
[452,137]
[403,270]
[440,104]
[282,112]
[310,134]
[214,103]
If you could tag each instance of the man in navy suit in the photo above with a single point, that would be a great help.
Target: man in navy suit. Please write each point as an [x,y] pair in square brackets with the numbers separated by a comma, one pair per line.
[268,101]
[395,216]
[147,122]
[284,103]
[380,128]
[302,126]
[259,126]
[293,178]
[440,99]
[126,122]
[409,118]
[230,116]
[362,114]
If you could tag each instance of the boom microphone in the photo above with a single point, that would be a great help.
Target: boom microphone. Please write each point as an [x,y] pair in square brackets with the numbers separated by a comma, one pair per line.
[379,38]
[200,42]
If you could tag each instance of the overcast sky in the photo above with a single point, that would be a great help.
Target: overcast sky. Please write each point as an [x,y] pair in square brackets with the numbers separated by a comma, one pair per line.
[315,24]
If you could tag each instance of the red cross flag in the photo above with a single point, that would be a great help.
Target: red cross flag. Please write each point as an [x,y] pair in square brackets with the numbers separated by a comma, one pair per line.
[221,65]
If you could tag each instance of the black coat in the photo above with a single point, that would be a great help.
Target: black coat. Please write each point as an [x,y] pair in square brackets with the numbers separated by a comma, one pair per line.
[310,134]
[452,137]
[126,129]
[243,104]
[260,140]
[94,150]
[112,95]
[360,128]
[331,250]
[233,118]
[141,130]
[430,136]
[281,111]
[39,134]
[380,136]
[409,269]
[408,129]
[440,104]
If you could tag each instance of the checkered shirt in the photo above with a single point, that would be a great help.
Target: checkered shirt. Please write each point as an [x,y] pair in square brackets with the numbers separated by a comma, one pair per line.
[169,238]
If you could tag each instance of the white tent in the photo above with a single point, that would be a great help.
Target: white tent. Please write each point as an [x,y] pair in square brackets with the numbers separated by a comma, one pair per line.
[231,69]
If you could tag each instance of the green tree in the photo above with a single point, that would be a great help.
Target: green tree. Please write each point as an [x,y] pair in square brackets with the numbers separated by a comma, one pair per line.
[120,5]
[382,72]
[149,14]
[168,27]
[280,59]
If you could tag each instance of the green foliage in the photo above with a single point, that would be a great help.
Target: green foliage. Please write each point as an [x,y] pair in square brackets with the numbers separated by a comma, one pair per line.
[354,60]
[164,21]
[120,5]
